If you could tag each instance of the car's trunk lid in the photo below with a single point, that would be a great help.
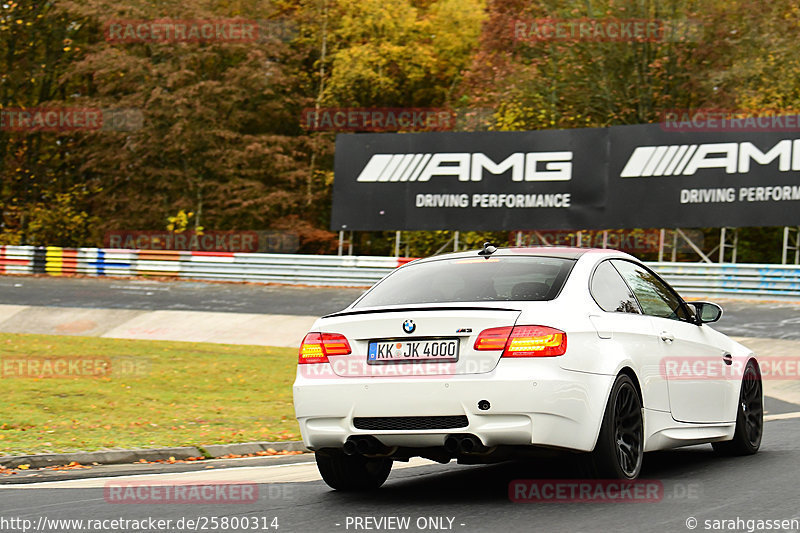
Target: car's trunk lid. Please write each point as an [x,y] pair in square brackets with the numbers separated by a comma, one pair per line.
[409,333]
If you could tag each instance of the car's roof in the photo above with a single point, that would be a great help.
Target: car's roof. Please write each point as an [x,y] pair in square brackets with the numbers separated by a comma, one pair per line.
[562,252]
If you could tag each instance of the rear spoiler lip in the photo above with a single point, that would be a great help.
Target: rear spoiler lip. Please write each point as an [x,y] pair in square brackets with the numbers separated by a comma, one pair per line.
[418,309]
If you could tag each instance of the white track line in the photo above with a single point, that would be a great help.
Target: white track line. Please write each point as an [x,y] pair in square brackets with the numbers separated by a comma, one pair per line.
[781,416]
[283,473]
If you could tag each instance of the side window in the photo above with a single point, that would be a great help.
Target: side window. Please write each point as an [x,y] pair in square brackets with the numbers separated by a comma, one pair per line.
[610,292]
[654,296]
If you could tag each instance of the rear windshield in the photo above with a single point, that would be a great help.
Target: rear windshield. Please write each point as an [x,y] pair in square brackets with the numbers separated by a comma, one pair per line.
[497,279]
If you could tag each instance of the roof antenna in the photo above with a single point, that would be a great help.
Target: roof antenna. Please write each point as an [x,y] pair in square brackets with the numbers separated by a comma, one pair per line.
[488,249]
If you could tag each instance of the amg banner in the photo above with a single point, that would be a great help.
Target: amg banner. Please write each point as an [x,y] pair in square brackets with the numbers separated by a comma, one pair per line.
[618,177]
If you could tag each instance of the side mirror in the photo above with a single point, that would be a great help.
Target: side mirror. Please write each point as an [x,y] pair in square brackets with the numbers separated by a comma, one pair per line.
[705,312]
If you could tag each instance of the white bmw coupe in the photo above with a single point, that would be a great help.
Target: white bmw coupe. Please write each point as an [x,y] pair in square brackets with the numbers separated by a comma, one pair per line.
[499,354]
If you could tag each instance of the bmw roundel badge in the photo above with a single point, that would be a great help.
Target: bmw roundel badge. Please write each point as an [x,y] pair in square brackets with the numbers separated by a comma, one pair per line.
[409,326]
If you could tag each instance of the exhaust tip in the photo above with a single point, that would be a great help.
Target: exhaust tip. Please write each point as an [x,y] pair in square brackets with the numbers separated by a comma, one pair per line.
[452,444]
[365,445]
[464,443]
[350,447]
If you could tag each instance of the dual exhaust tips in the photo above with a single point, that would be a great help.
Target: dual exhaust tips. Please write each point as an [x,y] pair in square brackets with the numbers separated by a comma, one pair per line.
[453,444]
[364,445]
[467,443]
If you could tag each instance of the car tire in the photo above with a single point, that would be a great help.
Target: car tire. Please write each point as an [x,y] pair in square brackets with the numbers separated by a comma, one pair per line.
[352,472]
[749,416]
[619,450]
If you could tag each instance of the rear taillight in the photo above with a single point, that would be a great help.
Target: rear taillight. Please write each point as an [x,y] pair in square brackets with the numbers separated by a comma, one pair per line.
[536,341]
[317,347]
[493,338]
[523,341]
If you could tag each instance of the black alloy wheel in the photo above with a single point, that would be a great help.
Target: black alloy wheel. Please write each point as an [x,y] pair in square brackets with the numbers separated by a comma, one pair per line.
[620,445]
[749,416]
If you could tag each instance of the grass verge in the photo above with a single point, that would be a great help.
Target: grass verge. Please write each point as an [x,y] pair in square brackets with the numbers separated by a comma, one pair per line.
[133,393]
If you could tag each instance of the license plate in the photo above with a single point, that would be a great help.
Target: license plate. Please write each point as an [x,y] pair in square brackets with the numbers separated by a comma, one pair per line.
[425,350]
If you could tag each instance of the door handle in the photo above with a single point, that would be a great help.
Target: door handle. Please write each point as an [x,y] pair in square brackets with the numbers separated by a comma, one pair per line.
[667,337]
[728,358]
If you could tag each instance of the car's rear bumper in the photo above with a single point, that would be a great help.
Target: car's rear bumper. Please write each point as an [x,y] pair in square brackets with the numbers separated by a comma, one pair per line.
[532,401]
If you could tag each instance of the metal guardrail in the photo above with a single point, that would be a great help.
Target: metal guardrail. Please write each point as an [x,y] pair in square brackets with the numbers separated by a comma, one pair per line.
[704,279]
[690,279]
[346,271]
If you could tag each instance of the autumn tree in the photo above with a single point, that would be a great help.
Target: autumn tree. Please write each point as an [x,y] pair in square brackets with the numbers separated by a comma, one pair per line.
[214,126]
[39,41]
[537,83]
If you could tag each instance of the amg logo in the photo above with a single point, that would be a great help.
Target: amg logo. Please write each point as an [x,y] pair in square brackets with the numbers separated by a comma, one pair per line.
[531,166]
[687,159]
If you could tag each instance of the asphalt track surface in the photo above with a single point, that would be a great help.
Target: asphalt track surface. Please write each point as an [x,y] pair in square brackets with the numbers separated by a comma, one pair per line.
[105,293]
[696,484]
[774,320]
